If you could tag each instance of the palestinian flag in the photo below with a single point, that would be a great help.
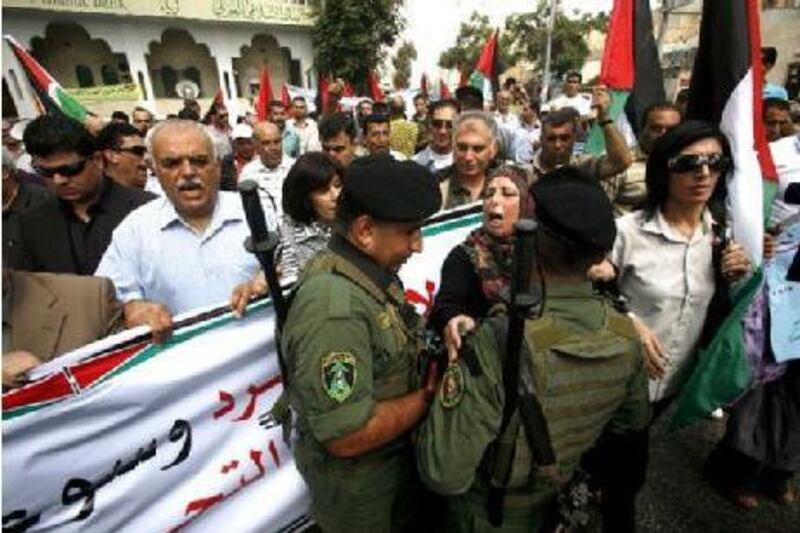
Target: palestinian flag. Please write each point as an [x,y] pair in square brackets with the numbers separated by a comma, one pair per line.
[630,69]
[726,88]
[286,98]
[488,65]
[423,85]
[52,98]
[264,95]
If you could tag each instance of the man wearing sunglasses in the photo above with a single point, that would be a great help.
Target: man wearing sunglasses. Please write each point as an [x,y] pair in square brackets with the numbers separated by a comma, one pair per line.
[123,154]
[70,233]
[439,152]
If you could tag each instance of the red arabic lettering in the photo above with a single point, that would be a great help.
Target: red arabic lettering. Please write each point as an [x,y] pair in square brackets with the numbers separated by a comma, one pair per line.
[229,401]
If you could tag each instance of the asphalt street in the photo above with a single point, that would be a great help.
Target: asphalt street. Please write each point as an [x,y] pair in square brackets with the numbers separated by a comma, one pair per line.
[677,499]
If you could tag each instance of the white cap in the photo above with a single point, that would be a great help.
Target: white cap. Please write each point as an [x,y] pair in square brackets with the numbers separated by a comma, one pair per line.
[241,131]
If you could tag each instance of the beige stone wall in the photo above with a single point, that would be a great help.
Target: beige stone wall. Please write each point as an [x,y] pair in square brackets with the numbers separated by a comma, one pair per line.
[65,46]
[781,28]
[262,52]
[179,50]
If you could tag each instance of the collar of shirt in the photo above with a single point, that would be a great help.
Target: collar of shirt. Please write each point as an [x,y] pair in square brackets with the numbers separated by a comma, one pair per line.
[536,163]
[227,209]
[382,278]
[574,301]
[256,165]
[658,225]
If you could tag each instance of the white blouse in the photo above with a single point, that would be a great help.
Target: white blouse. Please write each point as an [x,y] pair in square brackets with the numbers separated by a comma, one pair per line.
[669,281]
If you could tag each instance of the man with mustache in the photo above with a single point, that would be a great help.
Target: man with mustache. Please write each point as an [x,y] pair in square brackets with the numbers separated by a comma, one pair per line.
[352,344]
[70,232]
[559,133]
[183,250]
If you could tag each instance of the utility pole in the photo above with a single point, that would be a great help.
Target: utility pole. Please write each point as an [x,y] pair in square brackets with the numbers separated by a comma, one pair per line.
[543,97]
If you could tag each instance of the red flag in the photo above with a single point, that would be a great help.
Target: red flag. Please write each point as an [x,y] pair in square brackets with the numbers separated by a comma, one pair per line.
[286,99]
[487,60]
[423,85]
[264,95]
[324,82]
[374,87]
[618,70]
[444,90]
[348,91]
[463,79]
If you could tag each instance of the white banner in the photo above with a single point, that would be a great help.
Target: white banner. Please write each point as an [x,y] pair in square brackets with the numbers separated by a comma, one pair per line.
[130,436]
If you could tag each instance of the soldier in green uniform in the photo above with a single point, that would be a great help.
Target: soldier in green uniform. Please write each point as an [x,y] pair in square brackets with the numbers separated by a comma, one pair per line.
[351,344]
[581,360]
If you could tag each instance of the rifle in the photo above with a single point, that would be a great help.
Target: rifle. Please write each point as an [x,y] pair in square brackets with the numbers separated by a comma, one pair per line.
[522,299]
[263,243]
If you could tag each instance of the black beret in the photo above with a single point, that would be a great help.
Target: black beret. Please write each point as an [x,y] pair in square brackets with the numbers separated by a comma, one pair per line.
[572,205]
[390,190]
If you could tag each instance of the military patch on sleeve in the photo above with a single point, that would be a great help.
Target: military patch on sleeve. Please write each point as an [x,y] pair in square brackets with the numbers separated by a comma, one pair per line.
[452,389]
[339,375]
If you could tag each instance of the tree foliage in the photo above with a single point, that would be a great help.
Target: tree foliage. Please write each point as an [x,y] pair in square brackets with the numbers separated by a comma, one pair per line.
[349,37]
[472,35]
[524,37]
[402,64]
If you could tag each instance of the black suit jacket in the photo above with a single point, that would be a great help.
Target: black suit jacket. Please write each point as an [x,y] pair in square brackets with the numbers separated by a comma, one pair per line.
[47,244]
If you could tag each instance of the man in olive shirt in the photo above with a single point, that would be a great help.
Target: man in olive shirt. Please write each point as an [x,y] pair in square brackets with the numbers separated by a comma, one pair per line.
[351,344]
[580,362]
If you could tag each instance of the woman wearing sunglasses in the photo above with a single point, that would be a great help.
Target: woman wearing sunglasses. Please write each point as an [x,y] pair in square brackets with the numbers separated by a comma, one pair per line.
[672,256]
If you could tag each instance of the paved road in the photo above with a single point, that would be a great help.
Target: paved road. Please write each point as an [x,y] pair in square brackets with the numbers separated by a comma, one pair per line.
[676,499]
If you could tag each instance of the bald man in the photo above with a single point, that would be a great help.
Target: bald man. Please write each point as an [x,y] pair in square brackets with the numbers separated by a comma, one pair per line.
[269,169]
[183,250]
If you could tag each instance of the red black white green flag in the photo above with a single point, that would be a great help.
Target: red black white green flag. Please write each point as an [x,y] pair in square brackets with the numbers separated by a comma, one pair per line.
[265,95]
[51,96]
[726,88]
[630,68]
[488,65]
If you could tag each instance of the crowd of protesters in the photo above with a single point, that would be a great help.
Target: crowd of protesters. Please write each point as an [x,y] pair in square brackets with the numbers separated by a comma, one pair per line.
[140,218]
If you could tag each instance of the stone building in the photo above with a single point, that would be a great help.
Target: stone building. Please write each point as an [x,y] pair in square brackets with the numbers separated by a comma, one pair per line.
[115,54]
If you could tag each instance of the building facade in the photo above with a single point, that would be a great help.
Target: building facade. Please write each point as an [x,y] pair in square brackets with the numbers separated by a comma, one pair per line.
[115,54]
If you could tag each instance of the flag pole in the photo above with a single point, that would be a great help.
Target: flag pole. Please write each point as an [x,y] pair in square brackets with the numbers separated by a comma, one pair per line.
[548,52]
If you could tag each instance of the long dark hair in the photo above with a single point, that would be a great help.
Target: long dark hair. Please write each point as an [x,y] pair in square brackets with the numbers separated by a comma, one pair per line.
[311,172]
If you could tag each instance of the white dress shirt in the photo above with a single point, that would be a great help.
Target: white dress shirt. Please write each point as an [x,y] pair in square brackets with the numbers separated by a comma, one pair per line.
[270,186]
[155,255]
[579,102]
[669,281]
[432,160]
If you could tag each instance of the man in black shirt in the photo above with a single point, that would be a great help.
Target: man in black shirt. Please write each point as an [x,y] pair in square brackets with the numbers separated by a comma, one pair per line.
[70,232]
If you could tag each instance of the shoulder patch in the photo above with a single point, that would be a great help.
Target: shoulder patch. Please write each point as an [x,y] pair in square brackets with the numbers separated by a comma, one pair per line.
[338,372]
[451,390]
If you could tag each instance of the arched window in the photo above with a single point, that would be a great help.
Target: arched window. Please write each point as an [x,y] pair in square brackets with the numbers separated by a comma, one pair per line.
[191,73]
[169,78]
[84,75]
[110,75]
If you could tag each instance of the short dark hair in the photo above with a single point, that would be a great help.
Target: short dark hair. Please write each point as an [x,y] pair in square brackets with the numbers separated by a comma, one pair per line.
[469,97]
[561,117]
[777,103]
[187,113]
[769,55]
[441,104]
[380,108]
[659,106]
[375,118]
[120,115]
[50,134]
[299,99]
[573,74]
[419,96]
[336,123]
[560,257]
[313,171]
[275,103]
[110,137]
[509,82]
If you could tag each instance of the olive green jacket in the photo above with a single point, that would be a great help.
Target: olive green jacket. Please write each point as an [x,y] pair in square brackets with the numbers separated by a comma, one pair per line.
[587,374]
[350,341]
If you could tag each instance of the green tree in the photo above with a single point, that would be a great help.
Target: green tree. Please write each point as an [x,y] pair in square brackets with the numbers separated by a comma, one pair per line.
[402,64]
[350,37]
[471,37]
[526,38]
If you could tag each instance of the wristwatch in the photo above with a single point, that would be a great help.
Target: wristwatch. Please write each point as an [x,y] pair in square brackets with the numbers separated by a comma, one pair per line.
[604,123]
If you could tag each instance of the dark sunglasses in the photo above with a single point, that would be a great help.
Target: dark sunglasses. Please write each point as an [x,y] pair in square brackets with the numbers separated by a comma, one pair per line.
[67,171]
[135,150]
[693,162]
[439,123]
